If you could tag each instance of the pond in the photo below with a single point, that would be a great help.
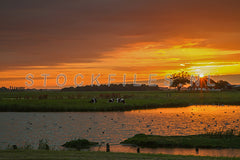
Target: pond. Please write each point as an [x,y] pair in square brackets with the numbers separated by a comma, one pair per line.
[113,127]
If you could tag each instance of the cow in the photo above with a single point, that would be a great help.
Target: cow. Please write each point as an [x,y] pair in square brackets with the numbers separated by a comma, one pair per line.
[111,100]
[120,100]
[93,100]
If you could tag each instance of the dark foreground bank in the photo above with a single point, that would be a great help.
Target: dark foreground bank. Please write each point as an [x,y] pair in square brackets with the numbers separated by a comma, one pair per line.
[77,155]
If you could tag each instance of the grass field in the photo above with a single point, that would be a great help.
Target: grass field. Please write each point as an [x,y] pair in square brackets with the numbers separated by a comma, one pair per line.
[79,101]
[210,140]
[76,155]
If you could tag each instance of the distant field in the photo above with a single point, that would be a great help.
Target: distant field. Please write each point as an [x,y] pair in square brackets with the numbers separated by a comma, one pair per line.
[79,101]
[77,155]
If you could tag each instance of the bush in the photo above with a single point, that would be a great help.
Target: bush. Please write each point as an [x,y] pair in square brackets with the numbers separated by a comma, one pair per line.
[43,144]
[79,144]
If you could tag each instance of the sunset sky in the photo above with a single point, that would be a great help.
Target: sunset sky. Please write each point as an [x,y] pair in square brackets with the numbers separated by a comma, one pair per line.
[118,37]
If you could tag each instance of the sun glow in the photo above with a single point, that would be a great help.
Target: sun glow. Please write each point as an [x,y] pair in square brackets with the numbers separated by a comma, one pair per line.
[201,75]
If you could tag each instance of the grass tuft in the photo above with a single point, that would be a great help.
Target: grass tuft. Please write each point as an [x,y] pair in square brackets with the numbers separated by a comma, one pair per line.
[79,144]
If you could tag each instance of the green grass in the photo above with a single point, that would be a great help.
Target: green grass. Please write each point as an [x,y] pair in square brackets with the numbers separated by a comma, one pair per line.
[209,140]
[79,101]
[76,155]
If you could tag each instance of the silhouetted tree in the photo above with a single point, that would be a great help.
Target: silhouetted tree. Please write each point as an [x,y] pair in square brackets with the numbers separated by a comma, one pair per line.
[180,79]
[221,84]
[113,87]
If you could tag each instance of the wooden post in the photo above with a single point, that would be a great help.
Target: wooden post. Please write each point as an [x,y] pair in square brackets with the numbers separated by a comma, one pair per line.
[107,147]
[197,150]
[138,150]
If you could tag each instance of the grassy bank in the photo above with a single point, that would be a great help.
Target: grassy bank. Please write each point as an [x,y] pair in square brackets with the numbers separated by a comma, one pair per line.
[200,141]
[75,155]
[79,101]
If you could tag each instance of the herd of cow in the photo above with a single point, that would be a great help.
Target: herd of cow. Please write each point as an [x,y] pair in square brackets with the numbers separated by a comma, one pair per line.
[112,100]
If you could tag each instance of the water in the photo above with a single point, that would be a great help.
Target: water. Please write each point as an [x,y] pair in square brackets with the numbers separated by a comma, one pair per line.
[175,151]
[113,127]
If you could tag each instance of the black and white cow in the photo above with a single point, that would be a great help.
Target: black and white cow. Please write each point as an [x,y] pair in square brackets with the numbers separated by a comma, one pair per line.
[111,100]
[93,100]
[120,100]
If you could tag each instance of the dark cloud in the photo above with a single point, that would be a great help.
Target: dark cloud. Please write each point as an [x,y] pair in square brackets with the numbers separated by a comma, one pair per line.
[42,32]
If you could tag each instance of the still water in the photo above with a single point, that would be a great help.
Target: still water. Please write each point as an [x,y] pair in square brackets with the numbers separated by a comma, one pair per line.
[113,127]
